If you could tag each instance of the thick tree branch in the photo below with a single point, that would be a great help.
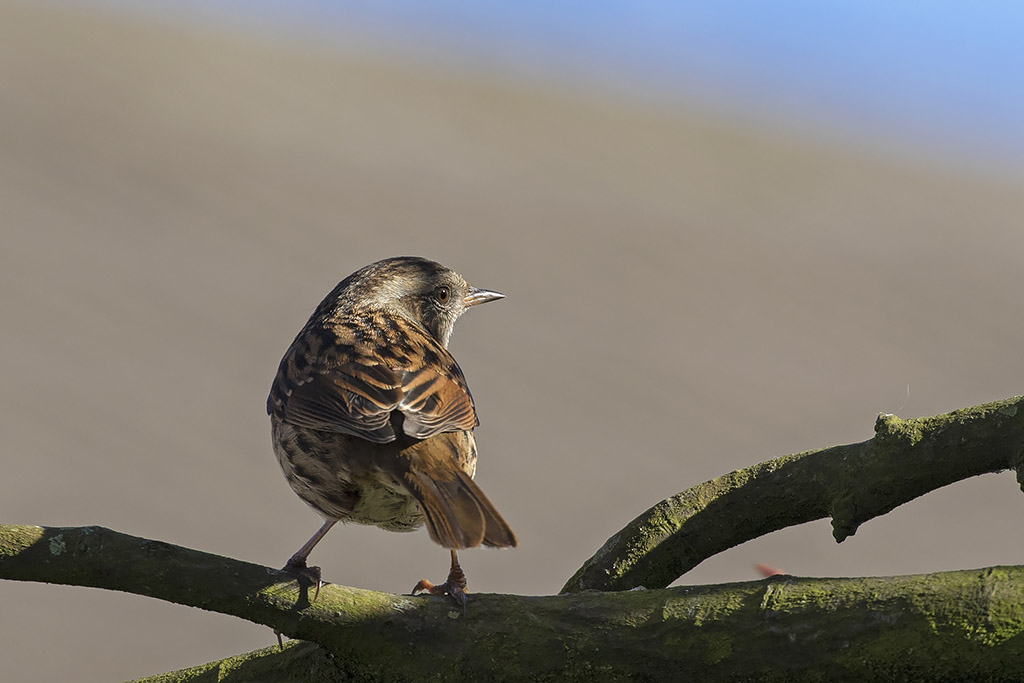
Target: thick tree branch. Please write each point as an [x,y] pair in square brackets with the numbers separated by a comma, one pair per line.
[851,484]
[950,626]
[966,625]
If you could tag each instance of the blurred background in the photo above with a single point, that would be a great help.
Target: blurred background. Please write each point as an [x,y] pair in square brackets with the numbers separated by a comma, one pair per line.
[728,231]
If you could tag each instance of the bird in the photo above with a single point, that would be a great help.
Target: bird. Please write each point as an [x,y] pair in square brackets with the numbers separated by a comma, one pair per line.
[372,419]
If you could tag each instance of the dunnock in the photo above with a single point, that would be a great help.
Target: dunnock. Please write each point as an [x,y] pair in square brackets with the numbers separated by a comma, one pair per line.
[372,420]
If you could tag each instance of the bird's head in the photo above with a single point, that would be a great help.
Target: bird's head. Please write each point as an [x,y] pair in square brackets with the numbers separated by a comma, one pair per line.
[418,289]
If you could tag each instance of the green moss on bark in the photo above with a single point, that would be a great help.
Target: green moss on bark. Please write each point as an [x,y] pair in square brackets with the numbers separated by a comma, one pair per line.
[851,484]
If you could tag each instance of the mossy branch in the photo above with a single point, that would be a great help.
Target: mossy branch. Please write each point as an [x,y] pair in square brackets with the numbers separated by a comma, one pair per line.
[851,484]
[965,625]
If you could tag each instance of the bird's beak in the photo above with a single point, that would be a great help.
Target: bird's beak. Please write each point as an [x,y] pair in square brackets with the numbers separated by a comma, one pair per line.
[480,296]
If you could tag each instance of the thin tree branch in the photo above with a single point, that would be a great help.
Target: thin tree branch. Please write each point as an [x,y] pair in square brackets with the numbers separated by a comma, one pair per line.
[851,484]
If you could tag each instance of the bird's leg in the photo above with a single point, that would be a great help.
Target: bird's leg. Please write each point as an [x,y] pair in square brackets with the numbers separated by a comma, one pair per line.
[455,585]
[297,562]
[297,565]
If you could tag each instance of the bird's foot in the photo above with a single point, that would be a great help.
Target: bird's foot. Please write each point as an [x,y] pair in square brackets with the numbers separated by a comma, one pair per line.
[457,592]
[310,574]
[454,585]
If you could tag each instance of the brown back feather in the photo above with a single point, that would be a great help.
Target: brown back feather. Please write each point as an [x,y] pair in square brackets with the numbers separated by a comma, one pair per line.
[347,375]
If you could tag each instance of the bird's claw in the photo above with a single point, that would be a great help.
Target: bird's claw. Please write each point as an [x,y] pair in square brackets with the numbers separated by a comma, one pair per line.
[310,574]
[455,591]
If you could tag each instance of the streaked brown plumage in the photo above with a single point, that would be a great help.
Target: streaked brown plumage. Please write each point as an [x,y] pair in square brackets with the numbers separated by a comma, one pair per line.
[372,420]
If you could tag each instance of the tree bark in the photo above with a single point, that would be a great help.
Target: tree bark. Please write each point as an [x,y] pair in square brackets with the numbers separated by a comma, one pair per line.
[965,625]
[851,484]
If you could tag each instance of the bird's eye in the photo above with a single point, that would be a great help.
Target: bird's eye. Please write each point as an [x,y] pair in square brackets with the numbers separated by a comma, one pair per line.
[442,294]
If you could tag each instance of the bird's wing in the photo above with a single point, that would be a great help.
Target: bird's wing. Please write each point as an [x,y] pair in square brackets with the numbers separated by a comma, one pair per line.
[353,388]
[353,399]
[435,396]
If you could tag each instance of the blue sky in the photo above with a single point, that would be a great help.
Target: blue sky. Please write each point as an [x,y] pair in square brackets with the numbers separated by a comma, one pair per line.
[943,75]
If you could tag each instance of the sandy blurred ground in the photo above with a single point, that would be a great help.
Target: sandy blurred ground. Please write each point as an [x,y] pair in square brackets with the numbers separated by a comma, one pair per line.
[685,297]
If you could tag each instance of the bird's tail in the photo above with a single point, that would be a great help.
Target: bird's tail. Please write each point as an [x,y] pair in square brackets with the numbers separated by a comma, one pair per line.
[457,512]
